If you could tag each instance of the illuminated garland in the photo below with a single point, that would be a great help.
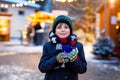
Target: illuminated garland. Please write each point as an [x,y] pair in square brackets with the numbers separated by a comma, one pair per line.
[65,0]
[4,5]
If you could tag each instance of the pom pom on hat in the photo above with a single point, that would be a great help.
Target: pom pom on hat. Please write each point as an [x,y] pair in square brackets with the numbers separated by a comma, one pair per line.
[62,19]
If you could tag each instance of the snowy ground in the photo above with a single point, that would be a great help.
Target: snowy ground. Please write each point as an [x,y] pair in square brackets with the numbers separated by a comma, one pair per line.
[12,71]
[103,64]
[19,49]
[8,72]
[15,47]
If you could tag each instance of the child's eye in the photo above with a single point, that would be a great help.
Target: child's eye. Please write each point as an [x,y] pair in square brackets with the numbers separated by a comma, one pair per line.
[66,27]
[58,27]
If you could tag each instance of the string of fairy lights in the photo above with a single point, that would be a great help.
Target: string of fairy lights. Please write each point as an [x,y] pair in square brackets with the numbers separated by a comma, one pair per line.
[15,5]
[65,0]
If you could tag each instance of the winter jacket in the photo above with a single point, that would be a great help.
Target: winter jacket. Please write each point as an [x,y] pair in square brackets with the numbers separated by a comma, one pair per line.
[49,65]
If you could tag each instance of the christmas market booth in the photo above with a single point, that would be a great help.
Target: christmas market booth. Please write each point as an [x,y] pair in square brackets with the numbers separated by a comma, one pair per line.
[39,23]
[109,17]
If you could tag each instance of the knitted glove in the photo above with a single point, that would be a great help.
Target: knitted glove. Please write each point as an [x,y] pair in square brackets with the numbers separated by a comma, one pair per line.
[73,55]
[62,58]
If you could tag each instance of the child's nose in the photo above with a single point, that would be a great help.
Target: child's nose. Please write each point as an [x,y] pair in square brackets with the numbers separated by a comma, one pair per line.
[63,29]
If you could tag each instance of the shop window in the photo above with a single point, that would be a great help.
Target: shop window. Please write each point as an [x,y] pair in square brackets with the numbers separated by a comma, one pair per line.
[21,12]
[118,16]
[4,26]
[3,9]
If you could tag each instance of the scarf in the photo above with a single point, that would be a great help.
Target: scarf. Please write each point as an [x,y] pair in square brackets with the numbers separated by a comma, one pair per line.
[63,44]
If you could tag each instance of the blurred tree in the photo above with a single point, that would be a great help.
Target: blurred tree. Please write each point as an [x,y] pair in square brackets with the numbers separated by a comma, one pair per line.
[81,10]
[88,7]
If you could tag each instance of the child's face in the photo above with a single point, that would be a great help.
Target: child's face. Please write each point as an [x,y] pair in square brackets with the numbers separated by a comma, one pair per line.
[62,30]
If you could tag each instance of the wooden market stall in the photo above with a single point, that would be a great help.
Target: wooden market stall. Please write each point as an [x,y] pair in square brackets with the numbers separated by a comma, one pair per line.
[42,20]
[110,15]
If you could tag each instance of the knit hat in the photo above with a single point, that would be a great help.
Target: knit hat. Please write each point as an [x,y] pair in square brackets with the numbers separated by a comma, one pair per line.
[64,19]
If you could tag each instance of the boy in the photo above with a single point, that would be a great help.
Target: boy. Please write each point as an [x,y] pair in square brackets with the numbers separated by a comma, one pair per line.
[63,57]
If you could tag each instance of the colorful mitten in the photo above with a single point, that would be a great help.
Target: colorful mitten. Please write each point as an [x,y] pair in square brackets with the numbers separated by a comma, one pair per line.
[62,58]
[73,55]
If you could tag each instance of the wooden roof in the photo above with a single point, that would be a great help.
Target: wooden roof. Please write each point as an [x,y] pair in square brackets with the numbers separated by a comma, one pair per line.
[4,14]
